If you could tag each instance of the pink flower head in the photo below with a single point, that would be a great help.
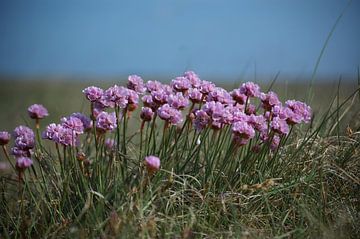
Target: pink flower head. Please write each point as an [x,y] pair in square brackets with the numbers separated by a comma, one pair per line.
[118,95]
[214,109]
[24,138]
[153,86]
[17,152]
[23,130]
[136,83]
[152,163]
[23,163]
[106,121]
[37,111]
[181,84]
[86,121]
[178,101]
[258,122]
[66,137]
[218,94]
[250,89]
[149,102]
[301,109]
[202,120]
[279,126]
[160,97]
[171,115]
[93,93]
[195,95]
[73,123]
[4,137]
[52,132]
[193,78]
[238,96]
[206,87]
[243,130]
[269,100]
[146,114]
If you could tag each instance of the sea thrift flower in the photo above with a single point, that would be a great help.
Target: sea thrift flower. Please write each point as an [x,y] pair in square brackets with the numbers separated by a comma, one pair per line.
[220,95]
[149,102]
[206,87]
[238,96]
[171,115]
[133,99]
[93,93]
[195,95]
[73,123]
[202,119]
[24,137]
[25,142]
[214,109]
[67,137]
[300,108]
[243,130]
[279,126]
[250,89]
[178,101]
[152,163]
[106,121]
[160,97]
[258,122]
[193,78]
[23,130]
[86,121]
[153,86]
[269,100]
[52,132]
[37,111]
[180,84]
[4,137]
[23,163]
[136,83]
[117,95]
[146,114]
[17,152]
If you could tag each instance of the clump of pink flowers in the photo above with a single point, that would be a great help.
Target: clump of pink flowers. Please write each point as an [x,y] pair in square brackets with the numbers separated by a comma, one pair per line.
[249,114]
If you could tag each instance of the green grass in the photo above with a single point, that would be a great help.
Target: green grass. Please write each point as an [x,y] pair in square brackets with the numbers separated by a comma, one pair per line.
[307,189]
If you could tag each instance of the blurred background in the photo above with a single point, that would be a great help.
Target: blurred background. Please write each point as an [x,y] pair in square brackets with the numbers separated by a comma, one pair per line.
[50,50]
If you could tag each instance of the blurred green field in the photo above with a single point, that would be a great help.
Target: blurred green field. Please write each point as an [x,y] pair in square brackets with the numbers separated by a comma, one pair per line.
[63,97]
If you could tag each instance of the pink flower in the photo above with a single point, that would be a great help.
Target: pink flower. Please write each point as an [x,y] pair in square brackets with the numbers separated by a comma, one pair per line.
[93,93]
[37,111]
[250,89]
[23,162]
[106,121]
[136,83]
[181,84]
[279,125]
[146,114]
[4,137]
[152,163]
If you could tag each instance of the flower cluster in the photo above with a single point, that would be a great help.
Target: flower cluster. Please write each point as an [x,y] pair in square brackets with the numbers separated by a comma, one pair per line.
[37,111]
[67,132]
[24,143]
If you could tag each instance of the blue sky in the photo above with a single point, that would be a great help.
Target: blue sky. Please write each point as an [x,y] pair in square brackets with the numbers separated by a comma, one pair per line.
[164,37]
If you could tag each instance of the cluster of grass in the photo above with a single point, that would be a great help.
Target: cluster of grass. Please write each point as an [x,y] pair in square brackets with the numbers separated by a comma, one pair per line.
[206,188]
